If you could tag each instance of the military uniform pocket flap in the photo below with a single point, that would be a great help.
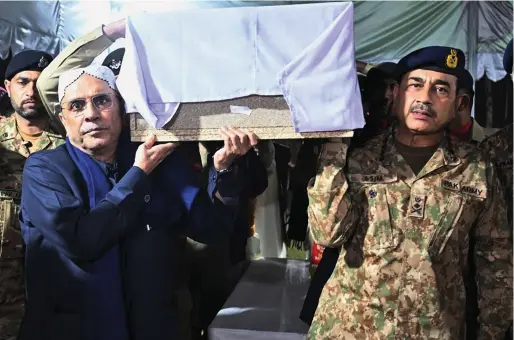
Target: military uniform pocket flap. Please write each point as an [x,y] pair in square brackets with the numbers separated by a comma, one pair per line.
[11,241]
[444,229]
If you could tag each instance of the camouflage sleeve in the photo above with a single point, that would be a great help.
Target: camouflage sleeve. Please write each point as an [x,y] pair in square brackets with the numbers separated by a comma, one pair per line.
[330,210]
[493,259]
[79,53]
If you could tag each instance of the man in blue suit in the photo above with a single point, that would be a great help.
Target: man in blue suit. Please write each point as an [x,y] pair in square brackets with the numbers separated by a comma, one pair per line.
[104,220]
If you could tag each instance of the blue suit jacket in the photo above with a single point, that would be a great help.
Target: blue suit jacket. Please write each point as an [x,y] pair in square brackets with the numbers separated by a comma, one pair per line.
[63,236]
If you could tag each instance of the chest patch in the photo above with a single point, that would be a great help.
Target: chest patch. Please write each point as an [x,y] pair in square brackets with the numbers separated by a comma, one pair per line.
[473,191]
[372,178]
[450,185]
[14,194]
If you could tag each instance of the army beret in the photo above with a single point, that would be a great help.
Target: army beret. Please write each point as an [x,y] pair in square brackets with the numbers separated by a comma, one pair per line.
[28,60]
[381,71]
[507,58]
[466,81]
[442,59]
[114,60]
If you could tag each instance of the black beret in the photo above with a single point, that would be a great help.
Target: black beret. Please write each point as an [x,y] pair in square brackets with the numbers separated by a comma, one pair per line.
[507,58]
[114,60]
[381,71]
[466,81]
[442,59]
[28,60]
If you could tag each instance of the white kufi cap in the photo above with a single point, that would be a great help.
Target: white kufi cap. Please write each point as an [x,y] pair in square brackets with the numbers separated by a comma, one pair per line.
[98,71]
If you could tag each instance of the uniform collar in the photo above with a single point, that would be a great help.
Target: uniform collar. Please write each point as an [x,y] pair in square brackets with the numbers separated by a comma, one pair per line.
[9,131]
[392,160]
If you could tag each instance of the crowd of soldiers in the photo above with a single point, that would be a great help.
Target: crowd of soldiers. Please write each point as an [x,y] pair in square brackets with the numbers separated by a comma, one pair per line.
[415,211]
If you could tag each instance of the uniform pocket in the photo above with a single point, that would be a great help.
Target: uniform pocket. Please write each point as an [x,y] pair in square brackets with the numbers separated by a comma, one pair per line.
[380,233]
[444,230]
[11,245]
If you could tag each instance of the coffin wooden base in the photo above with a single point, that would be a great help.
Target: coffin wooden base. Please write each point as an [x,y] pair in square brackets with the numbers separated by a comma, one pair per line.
[270,119]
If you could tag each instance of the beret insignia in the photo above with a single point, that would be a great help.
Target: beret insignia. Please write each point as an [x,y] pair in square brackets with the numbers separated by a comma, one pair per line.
[42,62]
[451,59]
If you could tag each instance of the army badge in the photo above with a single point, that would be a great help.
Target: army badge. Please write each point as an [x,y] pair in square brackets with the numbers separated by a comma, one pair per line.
[417,206]
[451,59]
[114,65]
[42,63]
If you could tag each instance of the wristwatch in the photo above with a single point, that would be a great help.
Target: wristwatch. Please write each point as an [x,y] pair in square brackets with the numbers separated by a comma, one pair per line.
[222,173]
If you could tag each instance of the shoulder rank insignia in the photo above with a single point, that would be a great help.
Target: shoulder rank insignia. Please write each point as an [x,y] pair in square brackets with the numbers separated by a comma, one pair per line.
[451,59]
[42,62]
[417,206]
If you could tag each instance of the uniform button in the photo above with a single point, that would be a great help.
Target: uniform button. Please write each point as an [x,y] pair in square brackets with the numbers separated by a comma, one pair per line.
[147,198]
[148,227]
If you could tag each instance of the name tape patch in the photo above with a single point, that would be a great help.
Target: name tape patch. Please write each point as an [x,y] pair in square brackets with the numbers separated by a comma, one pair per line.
[372,178]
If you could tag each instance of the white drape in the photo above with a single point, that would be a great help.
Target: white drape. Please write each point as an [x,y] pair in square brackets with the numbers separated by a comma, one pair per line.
[384,30]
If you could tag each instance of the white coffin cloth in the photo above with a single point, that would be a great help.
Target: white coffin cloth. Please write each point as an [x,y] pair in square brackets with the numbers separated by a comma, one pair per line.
[303,52]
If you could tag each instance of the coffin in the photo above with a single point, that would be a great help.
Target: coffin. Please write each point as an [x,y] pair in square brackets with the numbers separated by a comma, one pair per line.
[270,119]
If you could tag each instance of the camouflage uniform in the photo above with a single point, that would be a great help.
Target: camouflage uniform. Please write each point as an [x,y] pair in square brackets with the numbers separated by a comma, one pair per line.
[499,149]
[13,154]
[405,242]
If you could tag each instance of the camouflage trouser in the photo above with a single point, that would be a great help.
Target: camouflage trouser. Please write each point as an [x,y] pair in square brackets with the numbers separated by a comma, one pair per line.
[12,297]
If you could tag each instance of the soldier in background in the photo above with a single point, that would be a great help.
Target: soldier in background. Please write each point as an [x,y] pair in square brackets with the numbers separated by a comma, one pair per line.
[403,208]
[28,129]
[5,105]
[499,149]
[24,132]
[464,127]
[499,145]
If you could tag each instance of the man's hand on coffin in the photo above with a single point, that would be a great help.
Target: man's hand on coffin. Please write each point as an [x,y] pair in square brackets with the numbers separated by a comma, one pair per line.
[236,143]
[115,30]
[149,155]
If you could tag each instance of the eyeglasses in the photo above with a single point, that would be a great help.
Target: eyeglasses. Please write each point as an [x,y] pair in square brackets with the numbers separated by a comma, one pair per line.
[77,106]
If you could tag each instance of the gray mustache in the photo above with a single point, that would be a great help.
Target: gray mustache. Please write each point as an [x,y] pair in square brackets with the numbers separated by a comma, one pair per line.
[422,107]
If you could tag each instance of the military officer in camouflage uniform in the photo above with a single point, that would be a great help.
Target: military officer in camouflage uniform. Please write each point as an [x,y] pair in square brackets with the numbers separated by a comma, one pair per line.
[499,145]
[404,208]
[499,149]
[24,132]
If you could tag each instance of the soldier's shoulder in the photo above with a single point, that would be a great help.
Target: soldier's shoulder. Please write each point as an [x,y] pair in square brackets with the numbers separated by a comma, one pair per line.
[366,157]
[53,133]
[467,151]
[8,128]
[370,148]
[47,155]
[501,138]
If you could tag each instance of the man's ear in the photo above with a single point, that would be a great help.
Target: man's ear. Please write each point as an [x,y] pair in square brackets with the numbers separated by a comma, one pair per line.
[463,102]
[61,118]
[396,90]
[7,85]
